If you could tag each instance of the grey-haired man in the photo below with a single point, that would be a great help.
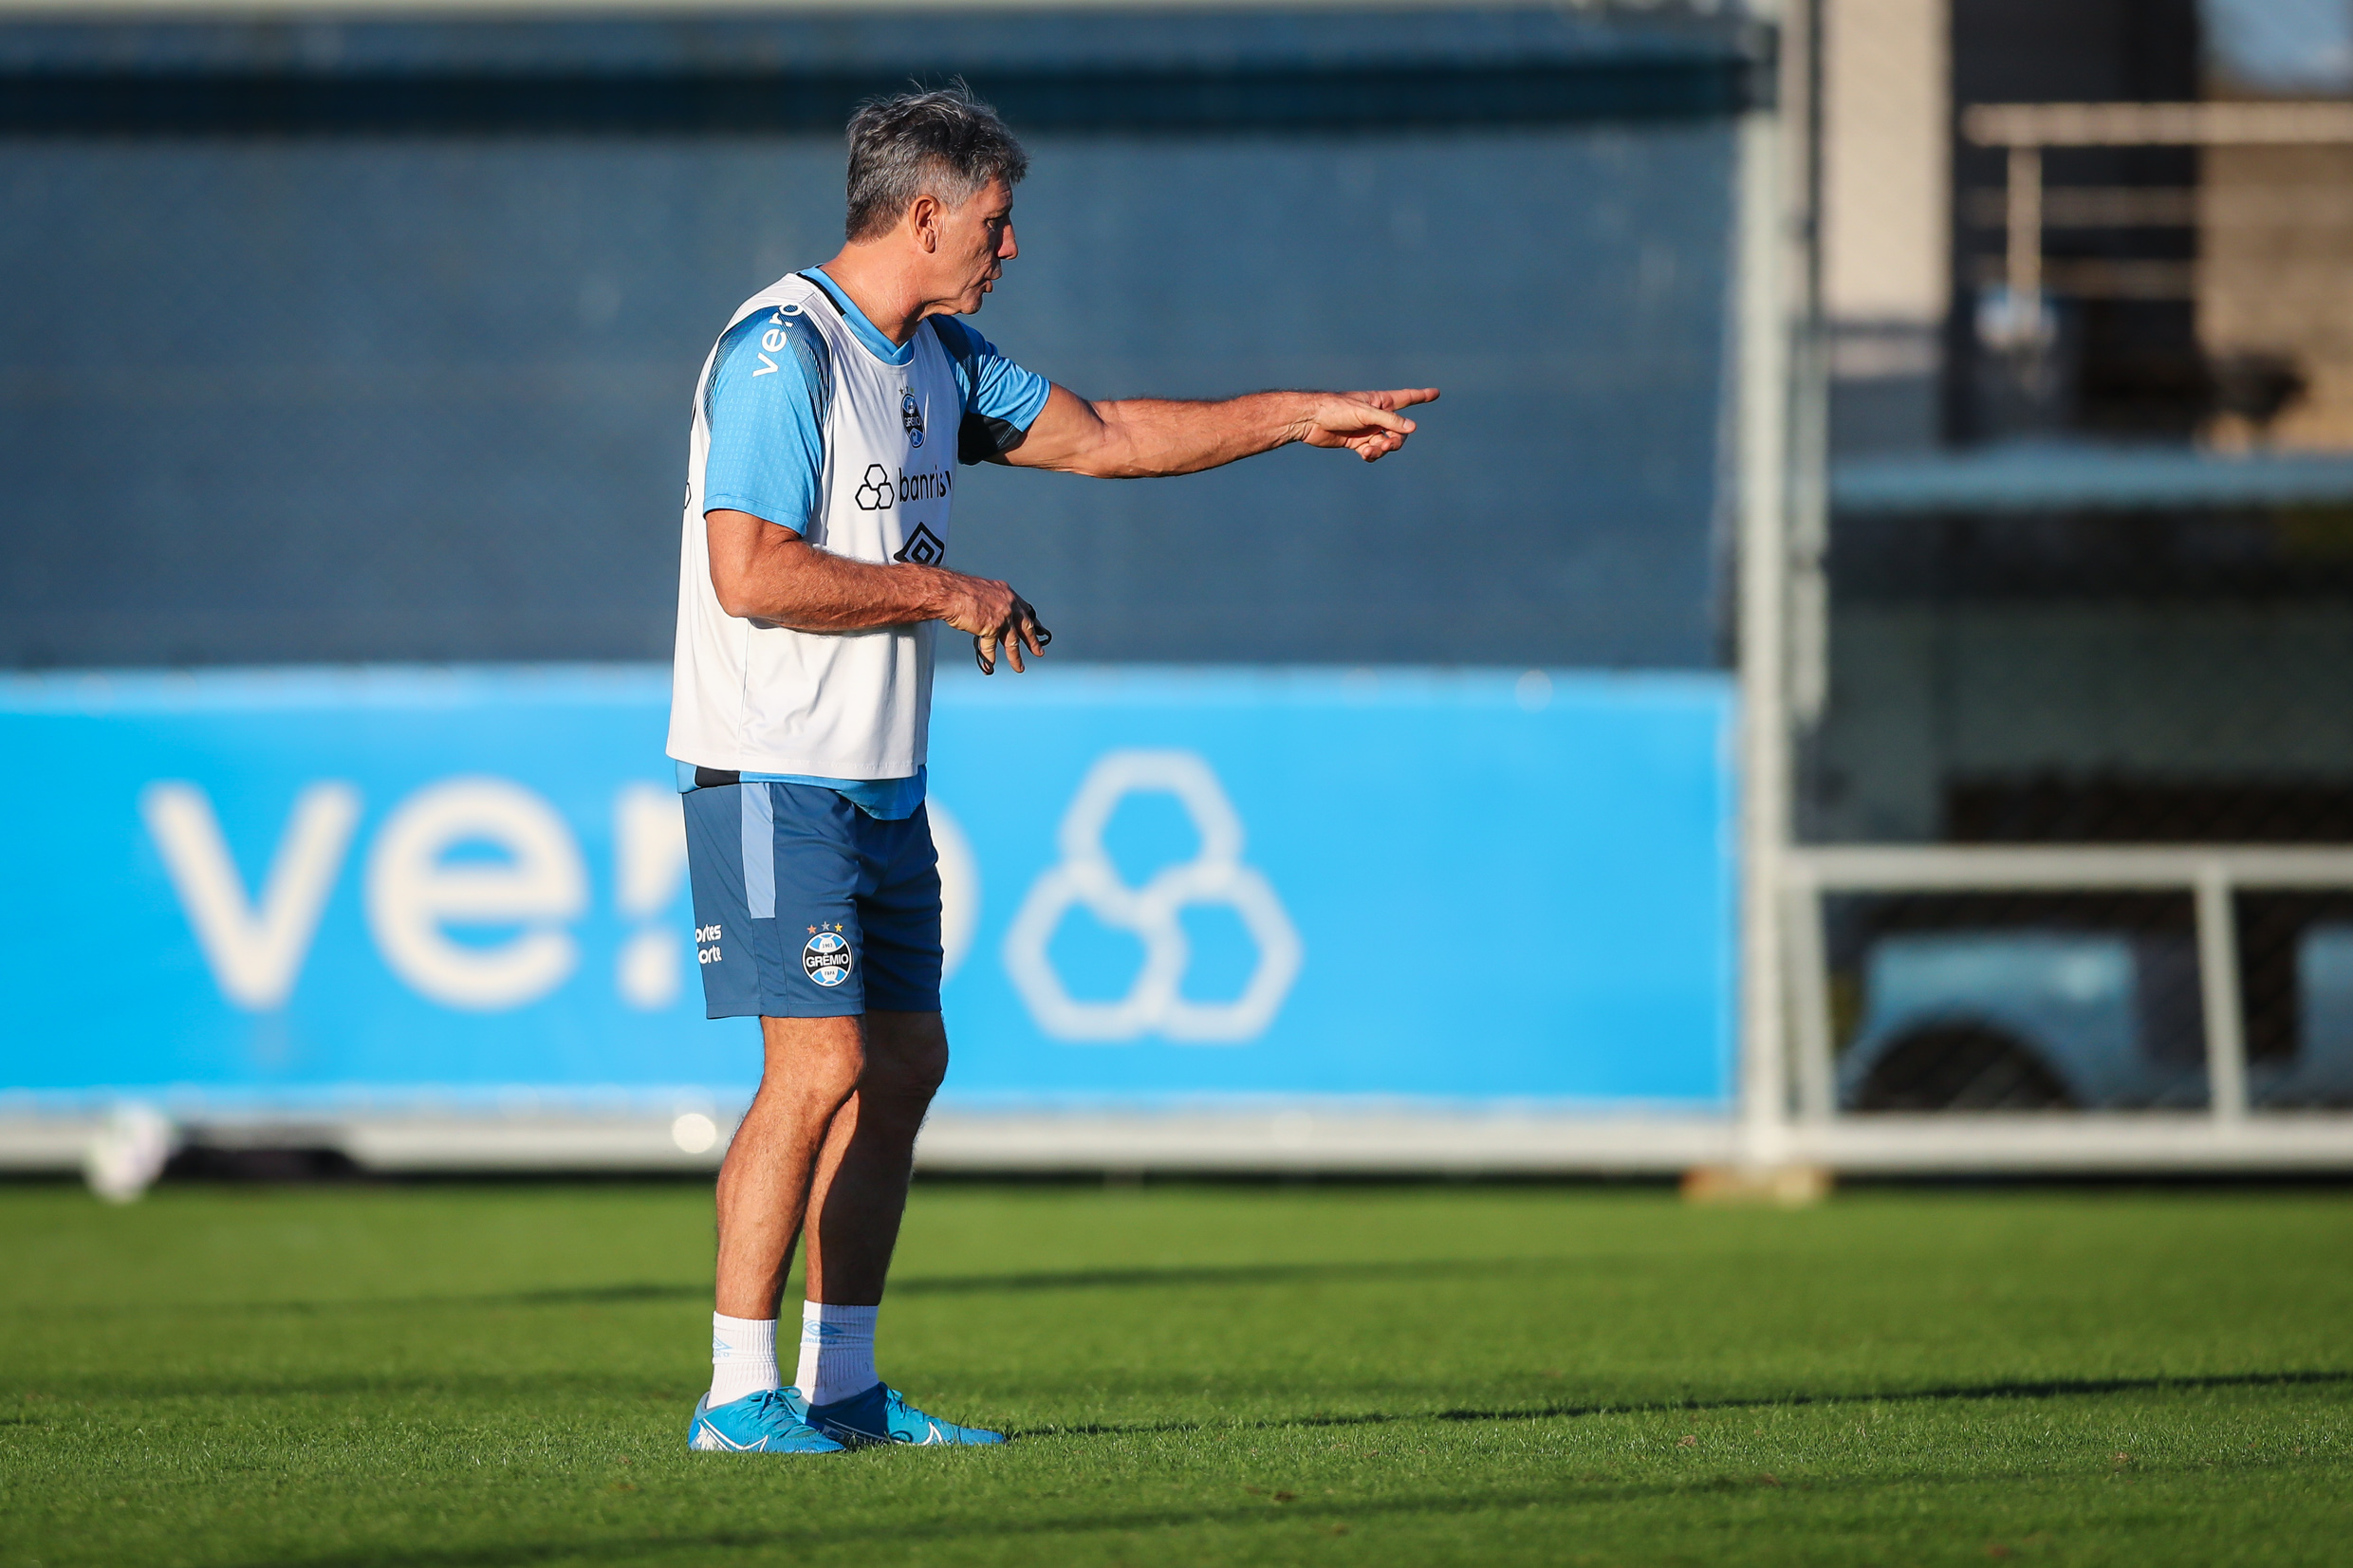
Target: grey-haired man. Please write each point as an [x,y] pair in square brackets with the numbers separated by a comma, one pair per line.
[828,422]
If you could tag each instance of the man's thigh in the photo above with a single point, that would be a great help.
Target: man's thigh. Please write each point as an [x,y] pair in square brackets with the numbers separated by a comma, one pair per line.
[899,916]
[777,872]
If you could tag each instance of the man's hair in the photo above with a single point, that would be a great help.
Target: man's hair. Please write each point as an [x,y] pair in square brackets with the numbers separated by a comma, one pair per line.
[945,143]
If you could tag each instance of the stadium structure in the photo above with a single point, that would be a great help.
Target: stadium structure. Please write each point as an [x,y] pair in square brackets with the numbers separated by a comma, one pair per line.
[1848,680]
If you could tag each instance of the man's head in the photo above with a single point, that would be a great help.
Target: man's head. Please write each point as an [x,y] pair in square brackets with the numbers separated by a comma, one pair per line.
[934,172]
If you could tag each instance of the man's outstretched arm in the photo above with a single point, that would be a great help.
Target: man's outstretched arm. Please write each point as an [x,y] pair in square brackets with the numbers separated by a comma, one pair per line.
[1148,437]
[764,571]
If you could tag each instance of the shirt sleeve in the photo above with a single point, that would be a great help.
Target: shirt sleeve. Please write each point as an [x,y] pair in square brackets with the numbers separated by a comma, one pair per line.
[764,405]
[1001,399]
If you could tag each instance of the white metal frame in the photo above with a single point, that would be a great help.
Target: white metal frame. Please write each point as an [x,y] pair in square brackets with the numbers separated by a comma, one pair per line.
[1789,1107]
[2212,874]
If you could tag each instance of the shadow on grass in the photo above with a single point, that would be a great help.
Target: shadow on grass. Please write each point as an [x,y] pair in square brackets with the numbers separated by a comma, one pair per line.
[1090,1279]
[632,1391]
[805,1536]
[939,1284]
[2059,1388]
[1077,1279]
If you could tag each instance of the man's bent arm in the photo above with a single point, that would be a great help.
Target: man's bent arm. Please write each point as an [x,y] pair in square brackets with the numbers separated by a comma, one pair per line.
[764,571]
[1151,437]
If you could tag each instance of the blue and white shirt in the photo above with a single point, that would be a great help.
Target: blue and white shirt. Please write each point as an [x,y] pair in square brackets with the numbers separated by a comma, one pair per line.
[807,416]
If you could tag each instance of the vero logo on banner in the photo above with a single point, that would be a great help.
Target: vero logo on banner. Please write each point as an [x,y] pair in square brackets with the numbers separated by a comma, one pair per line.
[275,885]
[416,890]
[477,852]
[468,855]
[255,947]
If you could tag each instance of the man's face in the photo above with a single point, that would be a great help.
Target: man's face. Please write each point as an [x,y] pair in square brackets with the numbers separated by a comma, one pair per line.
[975,242]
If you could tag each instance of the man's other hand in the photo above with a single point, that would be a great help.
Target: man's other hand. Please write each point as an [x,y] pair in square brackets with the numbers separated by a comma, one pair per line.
[997,617]
[1366,423]
[765,572]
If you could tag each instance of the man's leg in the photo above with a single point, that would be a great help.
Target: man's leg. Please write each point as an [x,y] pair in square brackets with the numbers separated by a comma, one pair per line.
[810,1068]
[767,861]
[860,1187]
[860,1193]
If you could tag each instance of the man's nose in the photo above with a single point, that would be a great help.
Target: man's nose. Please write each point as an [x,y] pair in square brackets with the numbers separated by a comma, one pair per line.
[1007,249]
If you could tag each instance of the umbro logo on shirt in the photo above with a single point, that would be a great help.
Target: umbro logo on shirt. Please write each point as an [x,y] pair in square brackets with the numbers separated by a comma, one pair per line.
[924,548]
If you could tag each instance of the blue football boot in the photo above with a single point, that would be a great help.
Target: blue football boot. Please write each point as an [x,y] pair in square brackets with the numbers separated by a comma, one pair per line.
[770,1422]
[883,1415]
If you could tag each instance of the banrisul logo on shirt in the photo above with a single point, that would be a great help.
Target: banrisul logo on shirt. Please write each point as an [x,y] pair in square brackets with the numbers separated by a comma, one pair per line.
[827,958]
[911,416]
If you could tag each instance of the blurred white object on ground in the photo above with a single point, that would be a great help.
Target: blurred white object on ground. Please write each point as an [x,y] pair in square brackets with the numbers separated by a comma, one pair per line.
[127,1154]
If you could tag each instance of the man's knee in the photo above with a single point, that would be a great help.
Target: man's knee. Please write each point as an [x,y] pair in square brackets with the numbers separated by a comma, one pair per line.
[906,1056]
[818,1058]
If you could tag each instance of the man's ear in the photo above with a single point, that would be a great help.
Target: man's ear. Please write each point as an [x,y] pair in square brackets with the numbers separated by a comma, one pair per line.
[923,217]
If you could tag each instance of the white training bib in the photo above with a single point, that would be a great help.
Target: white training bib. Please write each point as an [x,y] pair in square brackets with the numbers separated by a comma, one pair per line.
[755,697]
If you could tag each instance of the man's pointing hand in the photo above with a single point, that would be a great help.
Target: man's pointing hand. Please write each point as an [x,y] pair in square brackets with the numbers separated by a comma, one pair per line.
[1365,422]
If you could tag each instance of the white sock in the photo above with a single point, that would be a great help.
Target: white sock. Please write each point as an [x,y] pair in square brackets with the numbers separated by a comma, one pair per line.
[743,1357]
[837,1352]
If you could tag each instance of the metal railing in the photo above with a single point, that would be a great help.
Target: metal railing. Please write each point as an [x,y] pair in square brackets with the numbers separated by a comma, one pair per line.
[2027,129]
[2212,874]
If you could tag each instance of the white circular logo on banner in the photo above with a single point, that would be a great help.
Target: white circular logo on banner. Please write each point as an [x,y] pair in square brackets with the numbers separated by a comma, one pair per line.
[1214,877]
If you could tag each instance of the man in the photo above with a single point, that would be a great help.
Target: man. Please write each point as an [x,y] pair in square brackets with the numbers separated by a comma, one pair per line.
[820,474]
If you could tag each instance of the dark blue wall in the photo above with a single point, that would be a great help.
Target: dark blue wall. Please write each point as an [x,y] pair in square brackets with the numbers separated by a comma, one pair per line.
[417,388]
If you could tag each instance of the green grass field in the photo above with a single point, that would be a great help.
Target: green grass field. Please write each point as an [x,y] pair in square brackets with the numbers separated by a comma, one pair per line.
[446,1376]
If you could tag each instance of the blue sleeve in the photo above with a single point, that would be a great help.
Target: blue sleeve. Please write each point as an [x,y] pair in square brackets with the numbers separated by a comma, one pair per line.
[1001,399]
[764,405]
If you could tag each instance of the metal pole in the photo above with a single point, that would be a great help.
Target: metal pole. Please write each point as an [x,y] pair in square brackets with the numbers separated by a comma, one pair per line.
[1808,524]
[1762,345]
[2024,213]
[1809,997]
[2218,987]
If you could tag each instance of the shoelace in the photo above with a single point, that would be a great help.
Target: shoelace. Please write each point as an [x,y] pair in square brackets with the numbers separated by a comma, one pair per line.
[773,1403]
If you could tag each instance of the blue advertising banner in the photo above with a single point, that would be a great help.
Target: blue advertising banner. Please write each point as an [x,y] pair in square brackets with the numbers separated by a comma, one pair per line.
[273,888]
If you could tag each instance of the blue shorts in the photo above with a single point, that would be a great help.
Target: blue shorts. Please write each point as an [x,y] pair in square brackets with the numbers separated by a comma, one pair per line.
[805,907]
